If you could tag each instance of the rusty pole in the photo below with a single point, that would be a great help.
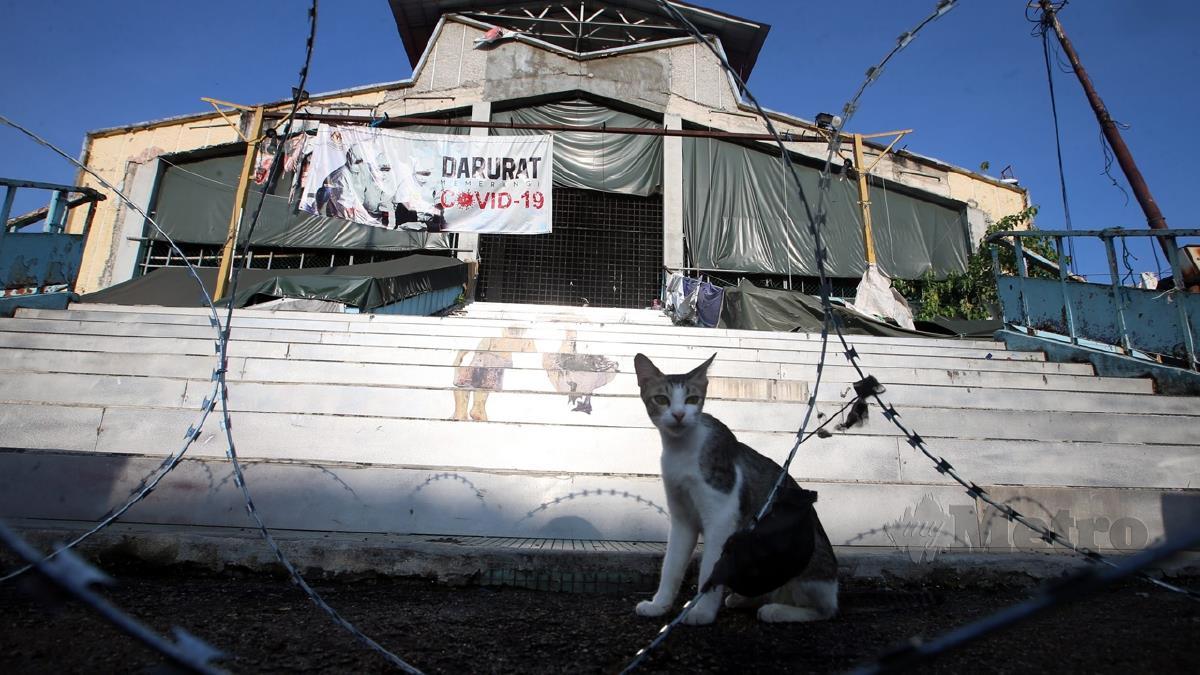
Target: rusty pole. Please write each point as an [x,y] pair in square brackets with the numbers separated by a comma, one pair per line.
[1154,217]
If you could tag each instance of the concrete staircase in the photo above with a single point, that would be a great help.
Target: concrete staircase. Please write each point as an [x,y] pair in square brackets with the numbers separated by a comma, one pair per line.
[352,424]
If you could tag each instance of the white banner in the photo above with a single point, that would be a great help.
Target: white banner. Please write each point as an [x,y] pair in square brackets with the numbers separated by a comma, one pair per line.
[430,182]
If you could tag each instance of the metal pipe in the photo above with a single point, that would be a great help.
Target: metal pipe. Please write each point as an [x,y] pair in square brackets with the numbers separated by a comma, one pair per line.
[40,185]
[1022,273]
[1066,298]
[9,195]
[54,212]
[1118,292]
[1175,232]
[601,129]
[996,276]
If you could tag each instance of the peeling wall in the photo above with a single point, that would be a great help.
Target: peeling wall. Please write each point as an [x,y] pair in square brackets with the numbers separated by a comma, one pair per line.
[115,155]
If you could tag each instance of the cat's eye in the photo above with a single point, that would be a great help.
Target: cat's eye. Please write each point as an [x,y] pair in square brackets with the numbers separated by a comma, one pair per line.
[692,400]
[661,400]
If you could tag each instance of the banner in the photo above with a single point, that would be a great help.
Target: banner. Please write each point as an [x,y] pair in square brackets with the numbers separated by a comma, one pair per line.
[429,182]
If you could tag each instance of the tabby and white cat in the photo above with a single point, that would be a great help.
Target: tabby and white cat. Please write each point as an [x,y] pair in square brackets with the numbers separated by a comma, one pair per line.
[715,485]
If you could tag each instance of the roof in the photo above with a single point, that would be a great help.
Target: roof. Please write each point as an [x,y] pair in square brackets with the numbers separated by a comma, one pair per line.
[611,23]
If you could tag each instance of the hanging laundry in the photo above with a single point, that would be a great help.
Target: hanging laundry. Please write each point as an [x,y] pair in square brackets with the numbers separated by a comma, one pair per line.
[693,302]
[709,299]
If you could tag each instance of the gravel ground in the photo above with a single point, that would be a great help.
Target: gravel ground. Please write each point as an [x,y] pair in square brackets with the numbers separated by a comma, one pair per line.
[268,626]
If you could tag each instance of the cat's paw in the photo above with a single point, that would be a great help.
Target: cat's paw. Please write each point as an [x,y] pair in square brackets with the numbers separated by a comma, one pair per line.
[649,608]
[779,613]
[736,601]
[700,616]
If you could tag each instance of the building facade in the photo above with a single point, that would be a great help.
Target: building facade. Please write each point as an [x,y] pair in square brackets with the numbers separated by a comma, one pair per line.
[628,208]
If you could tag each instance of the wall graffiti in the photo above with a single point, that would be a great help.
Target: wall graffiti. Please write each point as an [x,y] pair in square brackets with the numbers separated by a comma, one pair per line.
[578,375]
[571,373]
[484,373]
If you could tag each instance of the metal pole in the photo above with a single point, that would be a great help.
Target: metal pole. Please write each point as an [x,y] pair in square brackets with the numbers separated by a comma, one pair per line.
[1154,217]
[787,137]
[1066,297]
[1022,272]
[1118,293]
[864,198]
[9,194]
[1185,326]
[996,277]
[239,200]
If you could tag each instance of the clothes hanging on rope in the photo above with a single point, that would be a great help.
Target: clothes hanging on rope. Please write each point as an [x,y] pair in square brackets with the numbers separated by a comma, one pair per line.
[693,302]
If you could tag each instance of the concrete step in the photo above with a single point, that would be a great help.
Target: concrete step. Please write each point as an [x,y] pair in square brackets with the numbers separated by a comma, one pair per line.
[273,343]
[341,498]
[558,312]
[291,328]
[150,314]
[504,446]
[384,366]
[529,397]
[346,425]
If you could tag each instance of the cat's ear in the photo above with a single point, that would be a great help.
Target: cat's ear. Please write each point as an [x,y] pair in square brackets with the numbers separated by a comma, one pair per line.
[702,369]
[645,370]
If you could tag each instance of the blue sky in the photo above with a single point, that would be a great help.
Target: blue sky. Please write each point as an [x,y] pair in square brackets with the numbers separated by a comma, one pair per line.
[973,85]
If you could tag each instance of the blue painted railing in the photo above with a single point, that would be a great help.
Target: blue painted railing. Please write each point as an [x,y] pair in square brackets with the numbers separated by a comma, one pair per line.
[1131,319]
[32,263]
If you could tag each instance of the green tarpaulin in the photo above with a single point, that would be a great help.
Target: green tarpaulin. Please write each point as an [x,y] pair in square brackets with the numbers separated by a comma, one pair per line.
[750,307]
[365,287]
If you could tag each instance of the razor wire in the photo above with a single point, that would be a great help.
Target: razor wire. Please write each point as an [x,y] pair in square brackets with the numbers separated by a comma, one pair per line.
[239,479]
[944,467]
[149,483]
[915,652]
[220,387]
[974,491]
[74,575]
[815,223]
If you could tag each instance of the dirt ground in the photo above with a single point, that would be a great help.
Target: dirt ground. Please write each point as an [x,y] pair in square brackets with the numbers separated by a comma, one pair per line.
[267,626]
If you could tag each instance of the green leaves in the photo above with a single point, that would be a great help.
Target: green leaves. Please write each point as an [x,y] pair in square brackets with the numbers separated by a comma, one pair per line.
[972,294]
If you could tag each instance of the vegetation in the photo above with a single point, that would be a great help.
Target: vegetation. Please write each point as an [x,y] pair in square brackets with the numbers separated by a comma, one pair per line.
[972,294]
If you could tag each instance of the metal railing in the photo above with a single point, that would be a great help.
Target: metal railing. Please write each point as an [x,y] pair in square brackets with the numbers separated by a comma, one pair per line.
[30,262]
[1134,320]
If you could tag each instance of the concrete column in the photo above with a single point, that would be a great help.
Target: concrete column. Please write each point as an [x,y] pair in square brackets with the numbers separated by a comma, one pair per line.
[140,181]
[673,195]
[480,112]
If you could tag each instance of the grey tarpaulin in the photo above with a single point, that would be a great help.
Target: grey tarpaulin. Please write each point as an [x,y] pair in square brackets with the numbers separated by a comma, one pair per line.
[607,162]
[913,236]
[195,199]
[743,213]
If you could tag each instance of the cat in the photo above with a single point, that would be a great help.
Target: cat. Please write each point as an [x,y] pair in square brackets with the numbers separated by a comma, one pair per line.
[715,485]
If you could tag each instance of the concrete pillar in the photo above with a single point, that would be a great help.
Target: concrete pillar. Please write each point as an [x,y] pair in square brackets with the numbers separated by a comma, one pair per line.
[673,195]
[480,112]
[130,226]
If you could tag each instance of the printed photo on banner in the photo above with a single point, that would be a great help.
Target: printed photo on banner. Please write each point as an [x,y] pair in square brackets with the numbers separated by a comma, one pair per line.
[430,182]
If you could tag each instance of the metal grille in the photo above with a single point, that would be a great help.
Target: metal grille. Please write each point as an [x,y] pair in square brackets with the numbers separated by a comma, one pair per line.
[159,254]
[839,288]
[605,251]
